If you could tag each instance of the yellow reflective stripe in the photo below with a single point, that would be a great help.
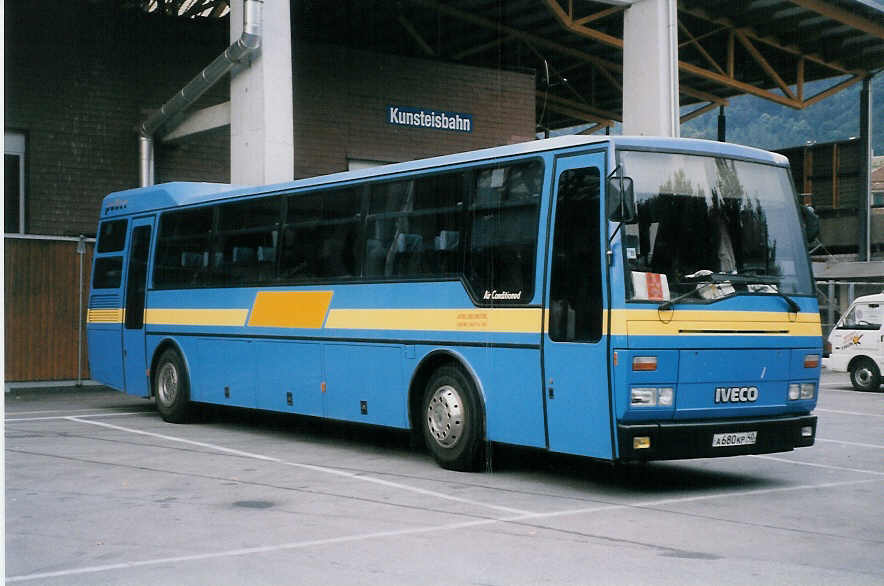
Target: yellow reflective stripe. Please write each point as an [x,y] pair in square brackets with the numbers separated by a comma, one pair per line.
[308,309]
[290,309]
[105,316]
[515,320]
[650,322]
[196,317]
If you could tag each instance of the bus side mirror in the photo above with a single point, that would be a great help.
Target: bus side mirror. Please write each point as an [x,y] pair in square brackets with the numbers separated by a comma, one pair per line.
[620,200]
[811,223]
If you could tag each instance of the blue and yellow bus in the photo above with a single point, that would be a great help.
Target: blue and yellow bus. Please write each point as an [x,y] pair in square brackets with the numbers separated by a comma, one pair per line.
[617,298]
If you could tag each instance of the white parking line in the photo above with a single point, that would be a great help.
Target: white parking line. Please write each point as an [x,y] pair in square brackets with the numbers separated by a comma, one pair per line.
[836,388]
[850,412]
[59,417]
[17,413]
[857,444]
[417,530]
[813,465]
[313,467]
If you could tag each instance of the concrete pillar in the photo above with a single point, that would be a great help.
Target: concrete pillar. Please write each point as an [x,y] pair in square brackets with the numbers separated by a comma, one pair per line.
[865,182]
[650,69]
[261,120]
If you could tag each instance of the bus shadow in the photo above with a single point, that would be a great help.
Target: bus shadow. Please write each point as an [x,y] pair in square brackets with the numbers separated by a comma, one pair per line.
[563,471]
[315,430]
[682,477]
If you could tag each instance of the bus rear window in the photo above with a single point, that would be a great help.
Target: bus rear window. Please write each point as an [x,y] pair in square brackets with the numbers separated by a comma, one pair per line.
[112,236]
[108,272]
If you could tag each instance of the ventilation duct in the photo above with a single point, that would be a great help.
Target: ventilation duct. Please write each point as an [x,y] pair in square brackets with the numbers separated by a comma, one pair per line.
[247,44]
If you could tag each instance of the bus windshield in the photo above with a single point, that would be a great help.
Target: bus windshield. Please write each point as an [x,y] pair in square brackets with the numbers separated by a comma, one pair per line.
[712,225]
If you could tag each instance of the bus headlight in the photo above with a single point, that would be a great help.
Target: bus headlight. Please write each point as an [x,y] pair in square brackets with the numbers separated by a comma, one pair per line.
[801,391]
[808,390]
[643,397]
[651,396]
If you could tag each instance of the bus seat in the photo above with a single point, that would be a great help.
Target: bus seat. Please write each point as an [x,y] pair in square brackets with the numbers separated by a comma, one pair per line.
[409,243]
[375,255]
[243,256]
[266,253]
[191,259]
[447,240]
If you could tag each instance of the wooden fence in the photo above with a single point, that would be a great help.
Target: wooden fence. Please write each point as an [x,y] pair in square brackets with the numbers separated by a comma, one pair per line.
[42,306]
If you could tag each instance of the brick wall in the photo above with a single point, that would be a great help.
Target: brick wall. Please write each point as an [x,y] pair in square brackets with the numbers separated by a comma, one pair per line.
[341,96]
[79,77]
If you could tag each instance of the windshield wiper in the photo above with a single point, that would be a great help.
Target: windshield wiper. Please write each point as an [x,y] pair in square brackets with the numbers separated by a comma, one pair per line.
[766,280]
[709,278]
[668,304]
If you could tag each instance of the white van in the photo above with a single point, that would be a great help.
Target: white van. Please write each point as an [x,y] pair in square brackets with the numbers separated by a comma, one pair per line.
[857,343]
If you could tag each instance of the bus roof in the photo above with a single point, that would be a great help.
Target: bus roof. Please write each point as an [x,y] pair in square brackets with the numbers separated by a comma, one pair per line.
[170,195]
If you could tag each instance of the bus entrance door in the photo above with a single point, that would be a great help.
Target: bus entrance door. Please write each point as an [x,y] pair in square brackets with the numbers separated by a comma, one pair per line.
[578,416]
[134,361]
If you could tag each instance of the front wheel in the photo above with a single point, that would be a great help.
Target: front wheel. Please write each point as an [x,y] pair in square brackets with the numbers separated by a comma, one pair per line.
[451,420]
[171,388]
[865,376]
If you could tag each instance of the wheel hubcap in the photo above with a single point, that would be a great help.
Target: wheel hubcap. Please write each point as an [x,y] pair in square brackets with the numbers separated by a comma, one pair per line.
[864,376]
[445,416]
[167,387]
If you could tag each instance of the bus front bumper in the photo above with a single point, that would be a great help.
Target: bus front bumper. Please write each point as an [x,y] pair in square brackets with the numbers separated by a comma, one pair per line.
[712,439]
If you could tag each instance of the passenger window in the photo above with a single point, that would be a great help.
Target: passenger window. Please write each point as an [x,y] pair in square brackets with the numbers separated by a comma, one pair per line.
[112,236]
[503,237]
[414,227]
[183,247]
[245,244]
[320,239]
[108,272]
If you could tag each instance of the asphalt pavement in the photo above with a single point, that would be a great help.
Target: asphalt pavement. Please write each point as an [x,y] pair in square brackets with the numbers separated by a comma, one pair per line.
[99,490]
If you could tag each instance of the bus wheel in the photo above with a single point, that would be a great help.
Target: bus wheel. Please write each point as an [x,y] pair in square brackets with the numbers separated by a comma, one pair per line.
[452,420]
[171,389]
[865,376]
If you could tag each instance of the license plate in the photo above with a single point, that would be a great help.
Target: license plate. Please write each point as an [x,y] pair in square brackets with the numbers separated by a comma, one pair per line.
[744,438]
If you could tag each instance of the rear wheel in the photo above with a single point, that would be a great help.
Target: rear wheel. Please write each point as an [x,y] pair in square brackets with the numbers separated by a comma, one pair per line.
[451,420]
[171,387]
[865,376]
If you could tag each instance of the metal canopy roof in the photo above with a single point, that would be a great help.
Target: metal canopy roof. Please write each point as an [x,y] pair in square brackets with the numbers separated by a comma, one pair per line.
[768,48]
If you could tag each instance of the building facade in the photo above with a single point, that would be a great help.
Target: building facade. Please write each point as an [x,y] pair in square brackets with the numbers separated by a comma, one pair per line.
[80,76]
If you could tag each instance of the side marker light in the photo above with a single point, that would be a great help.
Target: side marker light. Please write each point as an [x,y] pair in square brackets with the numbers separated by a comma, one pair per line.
[646,363]
[811,361]
[641,442]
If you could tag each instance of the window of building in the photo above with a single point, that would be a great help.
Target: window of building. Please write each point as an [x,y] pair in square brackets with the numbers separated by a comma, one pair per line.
[14,182]
[358,164]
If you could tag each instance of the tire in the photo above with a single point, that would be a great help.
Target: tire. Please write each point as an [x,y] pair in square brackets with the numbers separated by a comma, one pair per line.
[452,421]
[171,387]
[865,376]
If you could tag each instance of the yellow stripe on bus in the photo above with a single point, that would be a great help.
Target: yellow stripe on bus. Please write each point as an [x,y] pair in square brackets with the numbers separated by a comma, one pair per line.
[309,309]
[105,316]
[290,309]
[644,322]
[515,320]
[196,317]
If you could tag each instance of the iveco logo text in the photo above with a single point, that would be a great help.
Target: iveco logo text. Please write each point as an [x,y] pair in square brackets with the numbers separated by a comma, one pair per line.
[736,394]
